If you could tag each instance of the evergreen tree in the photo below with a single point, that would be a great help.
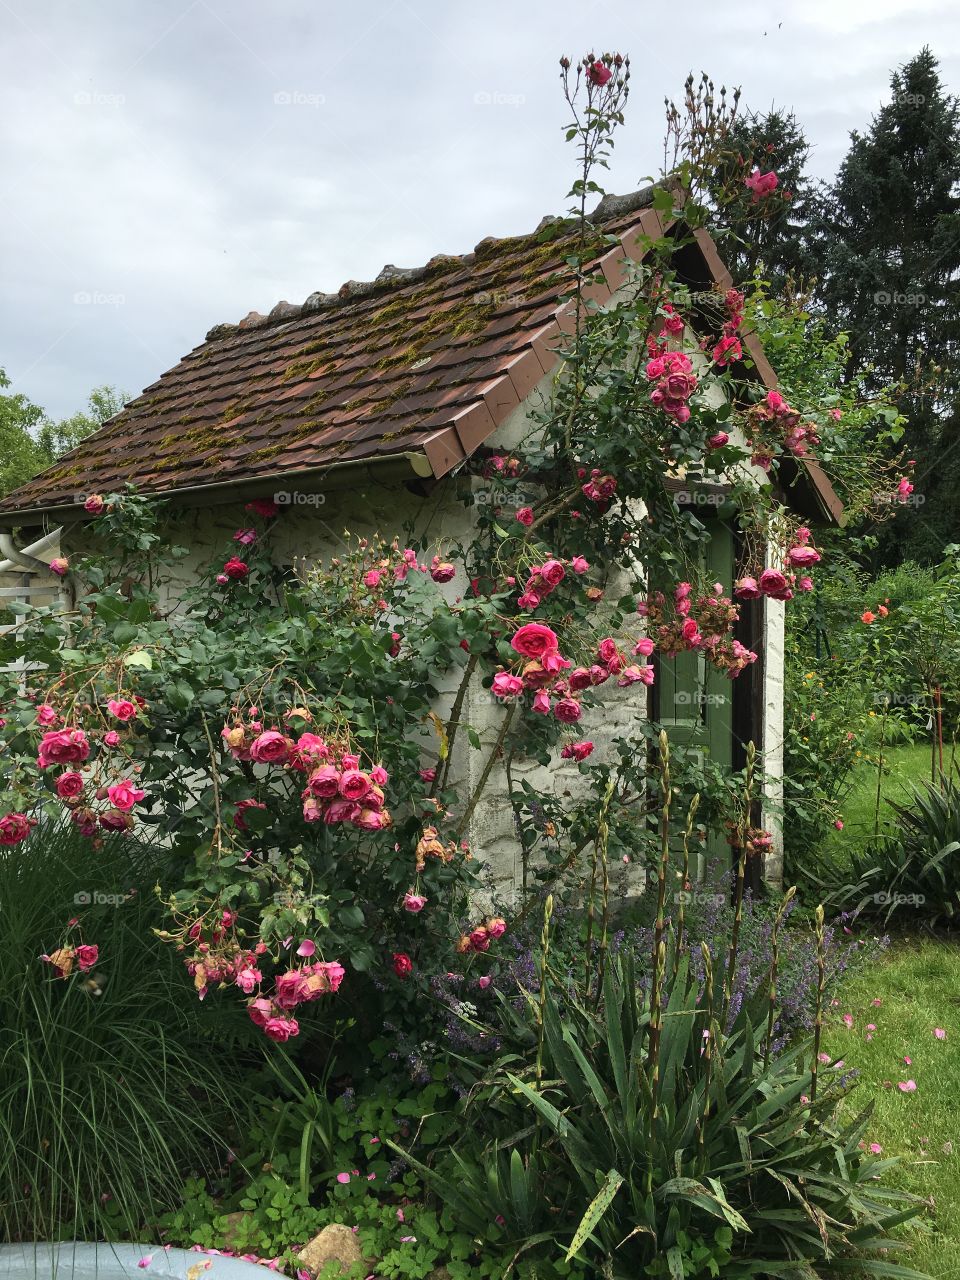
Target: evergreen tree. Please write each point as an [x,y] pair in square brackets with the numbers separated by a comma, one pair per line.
[891,260]
[771,237]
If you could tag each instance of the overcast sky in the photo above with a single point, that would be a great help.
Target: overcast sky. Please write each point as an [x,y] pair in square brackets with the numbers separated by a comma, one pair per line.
[172,164]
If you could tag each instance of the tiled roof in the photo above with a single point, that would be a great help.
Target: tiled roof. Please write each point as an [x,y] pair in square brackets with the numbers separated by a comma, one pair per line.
[425,362]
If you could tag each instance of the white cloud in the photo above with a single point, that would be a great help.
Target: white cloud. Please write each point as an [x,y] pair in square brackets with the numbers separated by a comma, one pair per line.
[200,158]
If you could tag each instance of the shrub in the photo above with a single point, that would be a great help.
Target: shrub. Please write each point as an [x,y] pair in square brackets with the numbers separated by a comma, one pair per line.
[910,874]
[109,1088]
[637,1137]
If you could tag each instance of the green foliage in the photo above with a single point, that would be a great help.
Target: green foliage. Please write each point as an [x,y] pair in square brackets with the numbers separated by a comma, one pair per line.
[57,438]
[910,874]
[112,1086]
[890,257]
[632,1136]
[20,455]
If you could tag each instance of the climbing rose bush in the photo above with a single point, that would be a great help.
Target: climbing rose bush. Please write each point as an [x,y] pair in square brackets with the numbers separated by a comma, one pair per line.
[297,744]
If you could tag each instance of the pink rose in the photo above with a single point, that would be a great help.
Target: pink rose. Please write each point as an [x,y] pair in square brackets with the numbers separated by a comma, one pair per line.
[533,640]
[428,775]
[310,746]
[801,557]
[718,441]
[691,632]
[442,572]
[46,715]
[14,827]
[598,74]
[747,589]
[63,746]
[580,678]
[776,402]
[111,738]
[281,1029]
[312,810]
[805,584]
[94,504]
[379,775]
[330,972]
[635,675]
[246,537]
[341,811]
[60,566]
[288,989]
[655,368]
[506,685]
[576,751]
[496,927]
[372,578]
[761,184]
[354,784]
[541,703]
[525,516]
[413,902]
[116,820]
[774,584]
[247,979]
[260,1010]
[236,569]
[484,982]
[644,647]
[122,708]
[372,820]
[553,572]
[480,939]
[86,956]
[579,565]
[271,748]
[607,650]
[324,782]
[568,710]
[69,784]
[124,795]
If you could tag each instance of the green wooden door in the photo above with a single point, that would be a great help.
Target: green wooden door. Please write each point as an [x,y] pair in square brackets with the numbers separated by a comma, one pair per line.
[695,700]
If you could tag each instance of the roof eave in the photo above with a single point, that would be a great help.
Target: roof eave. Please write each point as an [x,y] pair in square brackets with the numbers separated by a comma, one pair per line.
[409,464]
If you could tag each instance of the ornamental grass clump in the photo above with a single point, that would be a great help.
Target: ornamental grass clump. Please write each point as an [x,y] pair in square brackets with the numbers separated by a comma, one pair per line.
[656,1131]
[112,1086]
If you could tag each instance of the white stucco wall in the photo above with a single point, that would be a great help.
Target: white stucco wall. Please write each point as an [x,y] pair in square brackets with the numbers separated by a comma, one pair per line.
[313,528]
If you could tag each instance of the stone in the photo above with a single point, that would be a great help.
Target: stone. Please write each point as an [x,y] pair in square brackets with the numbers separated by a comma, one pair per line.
[233,1233]
[335,1243]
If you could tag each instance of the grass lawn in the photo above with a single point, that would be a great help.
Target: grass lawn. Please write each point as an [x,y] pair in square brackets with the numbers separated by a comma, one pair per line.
[903,767]
[917,985]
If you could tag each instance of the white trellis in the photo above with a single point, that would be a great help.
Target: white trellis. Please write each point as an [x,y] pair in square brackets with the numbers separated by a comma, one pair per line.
[27,580]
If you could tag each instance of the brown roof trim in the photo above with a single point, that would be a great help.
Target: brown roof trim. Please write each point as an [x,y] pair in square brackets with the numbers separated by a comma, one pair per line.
[331,476]
[826,495]
[470,427]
